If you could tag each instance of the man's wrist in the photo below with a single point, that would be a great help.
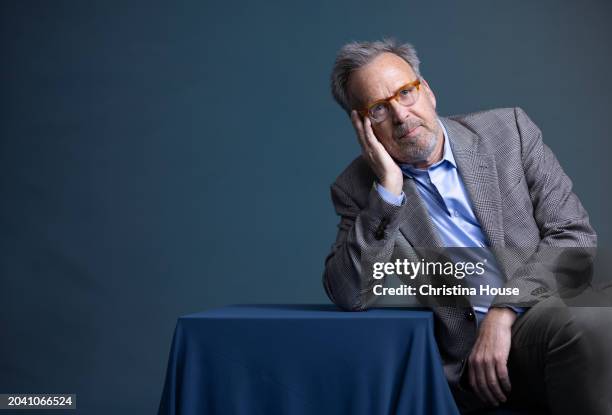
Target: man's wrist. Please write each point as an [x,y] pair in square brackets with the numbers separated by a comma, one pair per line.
[389,197]
[393,185]
[502,316]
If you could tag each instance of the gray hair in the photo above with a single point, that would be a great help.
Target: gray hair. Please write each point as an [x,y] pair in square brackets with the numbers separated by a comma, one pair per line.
[355,55]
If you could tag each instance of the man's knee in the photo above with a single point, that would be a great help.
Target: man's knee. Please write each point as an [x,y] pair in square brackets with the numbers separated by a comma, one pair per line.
[556,325]
[583,330]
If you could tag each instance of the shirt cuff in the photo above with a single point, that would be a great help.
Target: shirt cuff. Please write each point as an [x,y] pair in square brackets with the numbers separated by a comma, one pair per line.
[517,310]
[389,197]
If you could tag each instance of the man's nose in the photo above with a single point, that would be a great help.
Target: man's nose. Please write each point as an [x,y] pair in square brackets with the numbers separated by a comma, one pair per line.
[397,112]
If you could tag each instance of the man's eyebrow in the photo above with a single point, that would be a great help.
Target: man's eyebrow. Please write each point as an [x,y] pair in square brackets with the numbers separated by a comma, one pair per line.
[389,96]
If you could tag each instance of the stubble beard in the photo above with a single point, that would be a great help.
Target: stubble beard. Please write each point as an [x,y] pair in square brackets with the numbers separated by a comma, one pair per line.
[418,149]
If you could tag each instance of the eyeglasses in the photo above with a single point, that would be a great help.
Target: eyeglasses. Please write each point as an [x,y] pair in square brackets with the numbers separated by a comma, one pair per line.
[407,95]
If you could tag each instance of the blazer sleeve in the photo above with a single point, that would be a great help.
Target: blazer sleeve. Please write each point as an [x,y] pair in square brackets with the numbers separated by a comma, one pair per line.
[366,235]
[566,249]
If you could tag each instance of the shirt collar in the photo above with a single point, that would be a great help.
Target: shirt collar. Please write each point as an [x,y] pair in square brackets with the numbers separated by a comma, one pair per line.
[447,156]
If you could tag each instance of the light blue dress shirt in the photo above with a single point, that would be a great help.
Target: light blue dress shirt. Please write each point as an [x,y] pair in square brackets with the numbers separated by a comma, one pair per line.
[448,203]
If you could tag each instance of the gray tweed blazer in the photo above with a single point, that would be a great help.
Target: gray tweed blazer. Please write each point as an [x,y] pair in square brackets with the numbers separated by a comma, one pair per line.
[519,193]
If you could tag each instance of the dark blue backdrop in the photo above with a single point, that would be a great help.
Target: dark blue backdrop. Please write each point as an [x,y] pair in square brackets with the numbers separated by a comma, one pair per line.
[158,159]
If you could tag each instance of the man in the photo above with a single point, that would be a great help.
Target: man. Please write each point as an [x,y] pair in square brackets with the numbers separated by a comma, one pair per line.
[478,180]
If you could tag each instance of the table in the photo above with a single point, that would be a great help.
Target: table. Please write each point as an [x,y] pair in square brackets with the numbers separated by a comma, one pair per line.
[305,359]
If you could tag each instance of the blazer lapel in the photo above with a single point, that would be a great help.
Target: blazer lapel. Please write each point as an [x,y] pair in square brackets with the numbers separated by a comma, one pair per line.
[416,224]
[479,173]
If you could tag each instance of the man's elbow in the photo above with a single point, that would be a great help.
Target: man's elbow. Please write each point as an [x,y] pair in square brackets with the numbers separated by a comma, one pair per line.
[344,299]
[571,234]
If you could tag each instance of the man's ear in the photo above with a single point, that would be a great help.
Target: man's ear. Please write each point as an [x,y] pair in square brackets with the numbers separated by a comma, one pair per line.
[429,92]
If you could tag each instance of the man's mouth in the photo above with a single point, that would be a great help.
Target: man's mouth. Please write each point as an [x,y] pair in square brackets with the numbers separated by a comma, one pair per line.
[410,132]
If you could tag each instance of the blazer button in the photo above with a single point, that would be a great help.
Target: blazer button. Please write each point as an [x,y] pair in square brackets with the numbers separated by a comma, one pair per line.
[471,316]
[380,231]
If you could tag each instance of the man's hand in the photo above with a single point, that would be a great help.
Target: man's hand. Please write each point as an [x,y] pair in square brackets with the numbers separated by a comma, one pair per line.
[488,368]
[385,168]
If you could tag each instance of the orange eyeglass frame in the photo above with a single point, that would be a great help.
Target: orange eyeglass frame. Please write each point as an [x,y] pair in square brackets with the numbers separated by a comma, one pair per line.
[414,84]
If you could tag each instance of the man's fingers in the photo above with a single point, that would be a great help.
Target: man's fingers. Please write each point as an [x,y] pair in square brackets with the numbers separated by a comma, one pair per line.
[369,133]
[358,126]
[493,383]
[483,386]
[370,146]
[478,381]
[474,381]
[372,141]
[504,378]
[489,359]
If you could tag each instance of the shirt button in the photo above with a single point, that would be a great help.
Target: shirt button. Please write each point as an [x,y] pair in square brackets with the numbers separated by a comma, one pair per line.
[456,213]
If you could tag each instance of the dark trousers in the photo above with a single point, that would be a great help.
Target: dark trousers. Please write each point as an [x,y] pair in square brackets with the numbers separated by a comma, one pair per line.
[560,360]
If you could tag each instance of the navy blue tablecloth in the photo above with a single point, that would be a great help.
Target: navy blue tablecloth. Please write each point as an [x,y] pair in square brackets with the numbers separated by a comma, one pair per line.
[305,360]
